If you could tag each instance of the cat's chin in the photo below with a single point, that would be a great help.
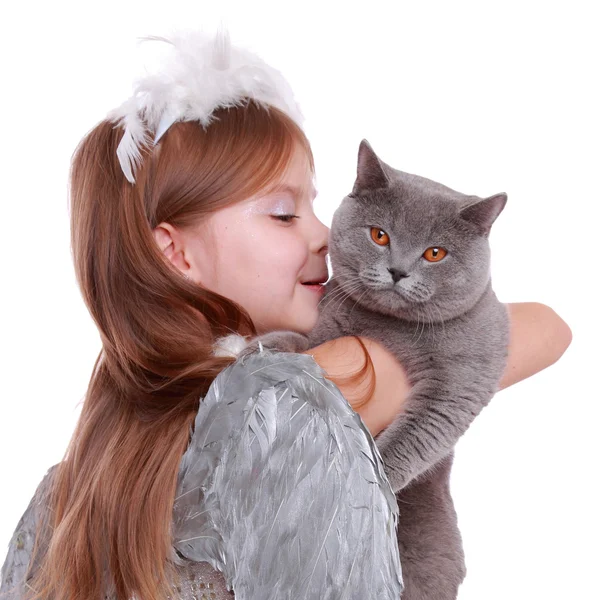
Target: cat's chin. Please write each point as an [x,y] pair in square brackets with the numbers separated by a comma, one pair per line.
[398,306]
[391,304]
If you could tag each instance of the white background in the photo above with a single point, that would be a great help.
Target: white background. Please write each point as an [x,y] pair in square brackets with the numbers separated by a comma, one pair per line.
[483,97]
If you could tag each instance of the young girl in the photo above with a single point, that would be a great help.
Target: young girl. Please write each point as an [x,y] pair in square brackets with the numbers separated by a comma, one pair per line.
[209,231]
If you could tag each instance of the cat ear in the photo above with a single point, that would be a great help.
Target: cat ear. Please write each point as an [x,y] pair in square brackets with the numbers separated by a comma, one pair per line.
[484,212]
[371,171]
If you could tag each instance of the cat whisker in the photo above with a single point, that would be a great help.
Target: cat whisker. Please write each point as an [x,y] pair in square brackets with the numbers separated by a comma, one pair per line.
[425,323]
[416,329]
[441,319]
[332,295]
[431,322]
[348,293]
[349,290]
[341,290]
[373,279]
[357,303]
[423,328]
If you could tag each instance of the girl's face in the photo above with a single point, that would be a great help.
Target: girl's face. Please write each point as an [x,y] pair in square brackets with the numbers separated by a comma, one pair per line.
[259,251]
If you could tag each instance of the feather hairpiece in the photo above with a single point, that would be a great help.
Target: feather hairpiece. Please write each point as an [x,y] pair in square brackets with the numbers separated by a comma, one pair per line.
[202,73]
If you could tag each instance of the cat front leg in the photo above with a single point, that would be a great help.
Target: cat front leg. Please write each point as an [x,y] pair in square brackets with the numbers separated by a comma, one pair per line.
[436,414]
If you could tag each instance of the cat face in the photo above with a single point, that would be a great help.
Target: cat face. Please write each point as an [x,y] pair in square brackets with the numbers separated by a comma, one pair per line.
[409,246]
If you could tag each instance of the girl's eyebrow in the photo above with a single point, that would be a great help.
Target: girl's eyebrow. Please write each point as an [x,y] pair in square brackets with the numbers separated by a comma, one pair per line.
[292,189]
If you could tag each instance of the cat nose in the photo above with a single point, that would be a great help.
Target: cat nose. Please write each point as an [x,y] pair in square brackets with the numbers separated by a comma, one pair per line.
[397,274]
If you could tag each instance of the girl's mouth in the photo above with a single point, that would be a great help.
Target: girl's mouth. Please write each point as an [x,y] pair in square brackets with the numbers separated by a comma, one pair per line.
[319,288]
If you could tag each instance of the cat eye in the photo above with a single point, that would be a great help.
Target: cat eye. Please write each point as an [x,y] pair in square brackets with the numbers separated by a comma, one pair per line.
[379,236]
[434,254]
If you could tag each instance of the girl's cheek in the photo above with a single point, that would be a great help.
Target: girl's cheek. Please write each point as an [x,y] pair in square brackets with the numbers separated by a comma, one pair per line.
[289,257]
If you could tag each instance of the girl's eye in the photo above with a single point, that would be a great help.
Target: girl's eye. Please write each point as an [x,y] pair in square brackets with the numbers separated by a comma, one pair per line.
[286,218]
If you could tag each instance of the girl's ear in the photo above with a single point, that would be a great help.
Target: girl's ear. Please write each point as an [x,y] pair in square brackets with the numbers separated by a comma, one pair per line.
[170,243]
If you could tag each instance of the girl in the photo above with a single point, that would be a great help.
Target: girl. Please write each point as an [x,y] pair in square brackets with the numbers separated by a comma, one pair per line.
[208,232]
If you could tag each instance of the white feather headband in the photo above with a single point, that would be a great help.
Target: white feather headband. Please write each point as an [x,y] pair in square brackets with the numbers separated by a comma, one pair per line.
[203,72]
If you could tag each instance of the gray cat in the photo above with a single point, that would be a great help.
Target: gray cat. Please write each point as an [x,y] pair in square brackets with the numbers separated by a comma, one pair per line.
[411,270]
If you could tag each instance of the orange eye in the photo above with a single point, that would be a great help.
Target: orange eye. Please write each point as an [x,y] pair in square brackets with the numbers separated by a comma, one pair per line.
[379,236]
[434,254]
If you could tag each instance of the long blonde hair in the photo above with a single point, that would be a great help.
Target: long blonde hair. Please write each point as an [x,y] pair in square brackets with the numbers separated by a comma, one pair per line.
[112,495]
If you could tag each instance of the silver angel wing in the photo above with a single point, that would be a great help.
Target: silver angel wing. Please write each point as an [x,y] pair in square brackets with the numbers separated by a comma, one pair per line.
[283,490]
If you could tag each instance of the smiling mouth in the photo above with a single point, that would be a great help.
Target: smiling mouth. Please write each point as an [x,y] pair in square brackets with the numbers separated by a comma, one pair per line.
[318,281]
[319,288]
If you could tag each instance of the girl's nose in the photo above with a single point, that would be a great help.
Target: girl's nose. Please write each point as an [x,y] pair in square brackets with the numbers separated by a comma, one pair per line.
[320,242]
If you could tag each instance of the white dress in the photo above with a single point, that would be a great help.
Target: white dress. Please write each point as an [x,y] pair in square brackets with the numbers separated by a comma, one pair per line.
[281,494]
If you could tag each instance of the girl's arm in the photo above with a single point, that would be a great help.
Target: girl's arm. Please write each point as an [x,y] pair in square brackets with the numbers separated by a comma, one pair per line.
[538,338]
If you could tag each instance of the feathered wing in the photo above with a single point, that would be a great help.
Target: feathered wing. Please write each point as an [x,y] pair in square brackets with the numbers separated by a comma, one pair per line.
[282,487]
[21,545]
